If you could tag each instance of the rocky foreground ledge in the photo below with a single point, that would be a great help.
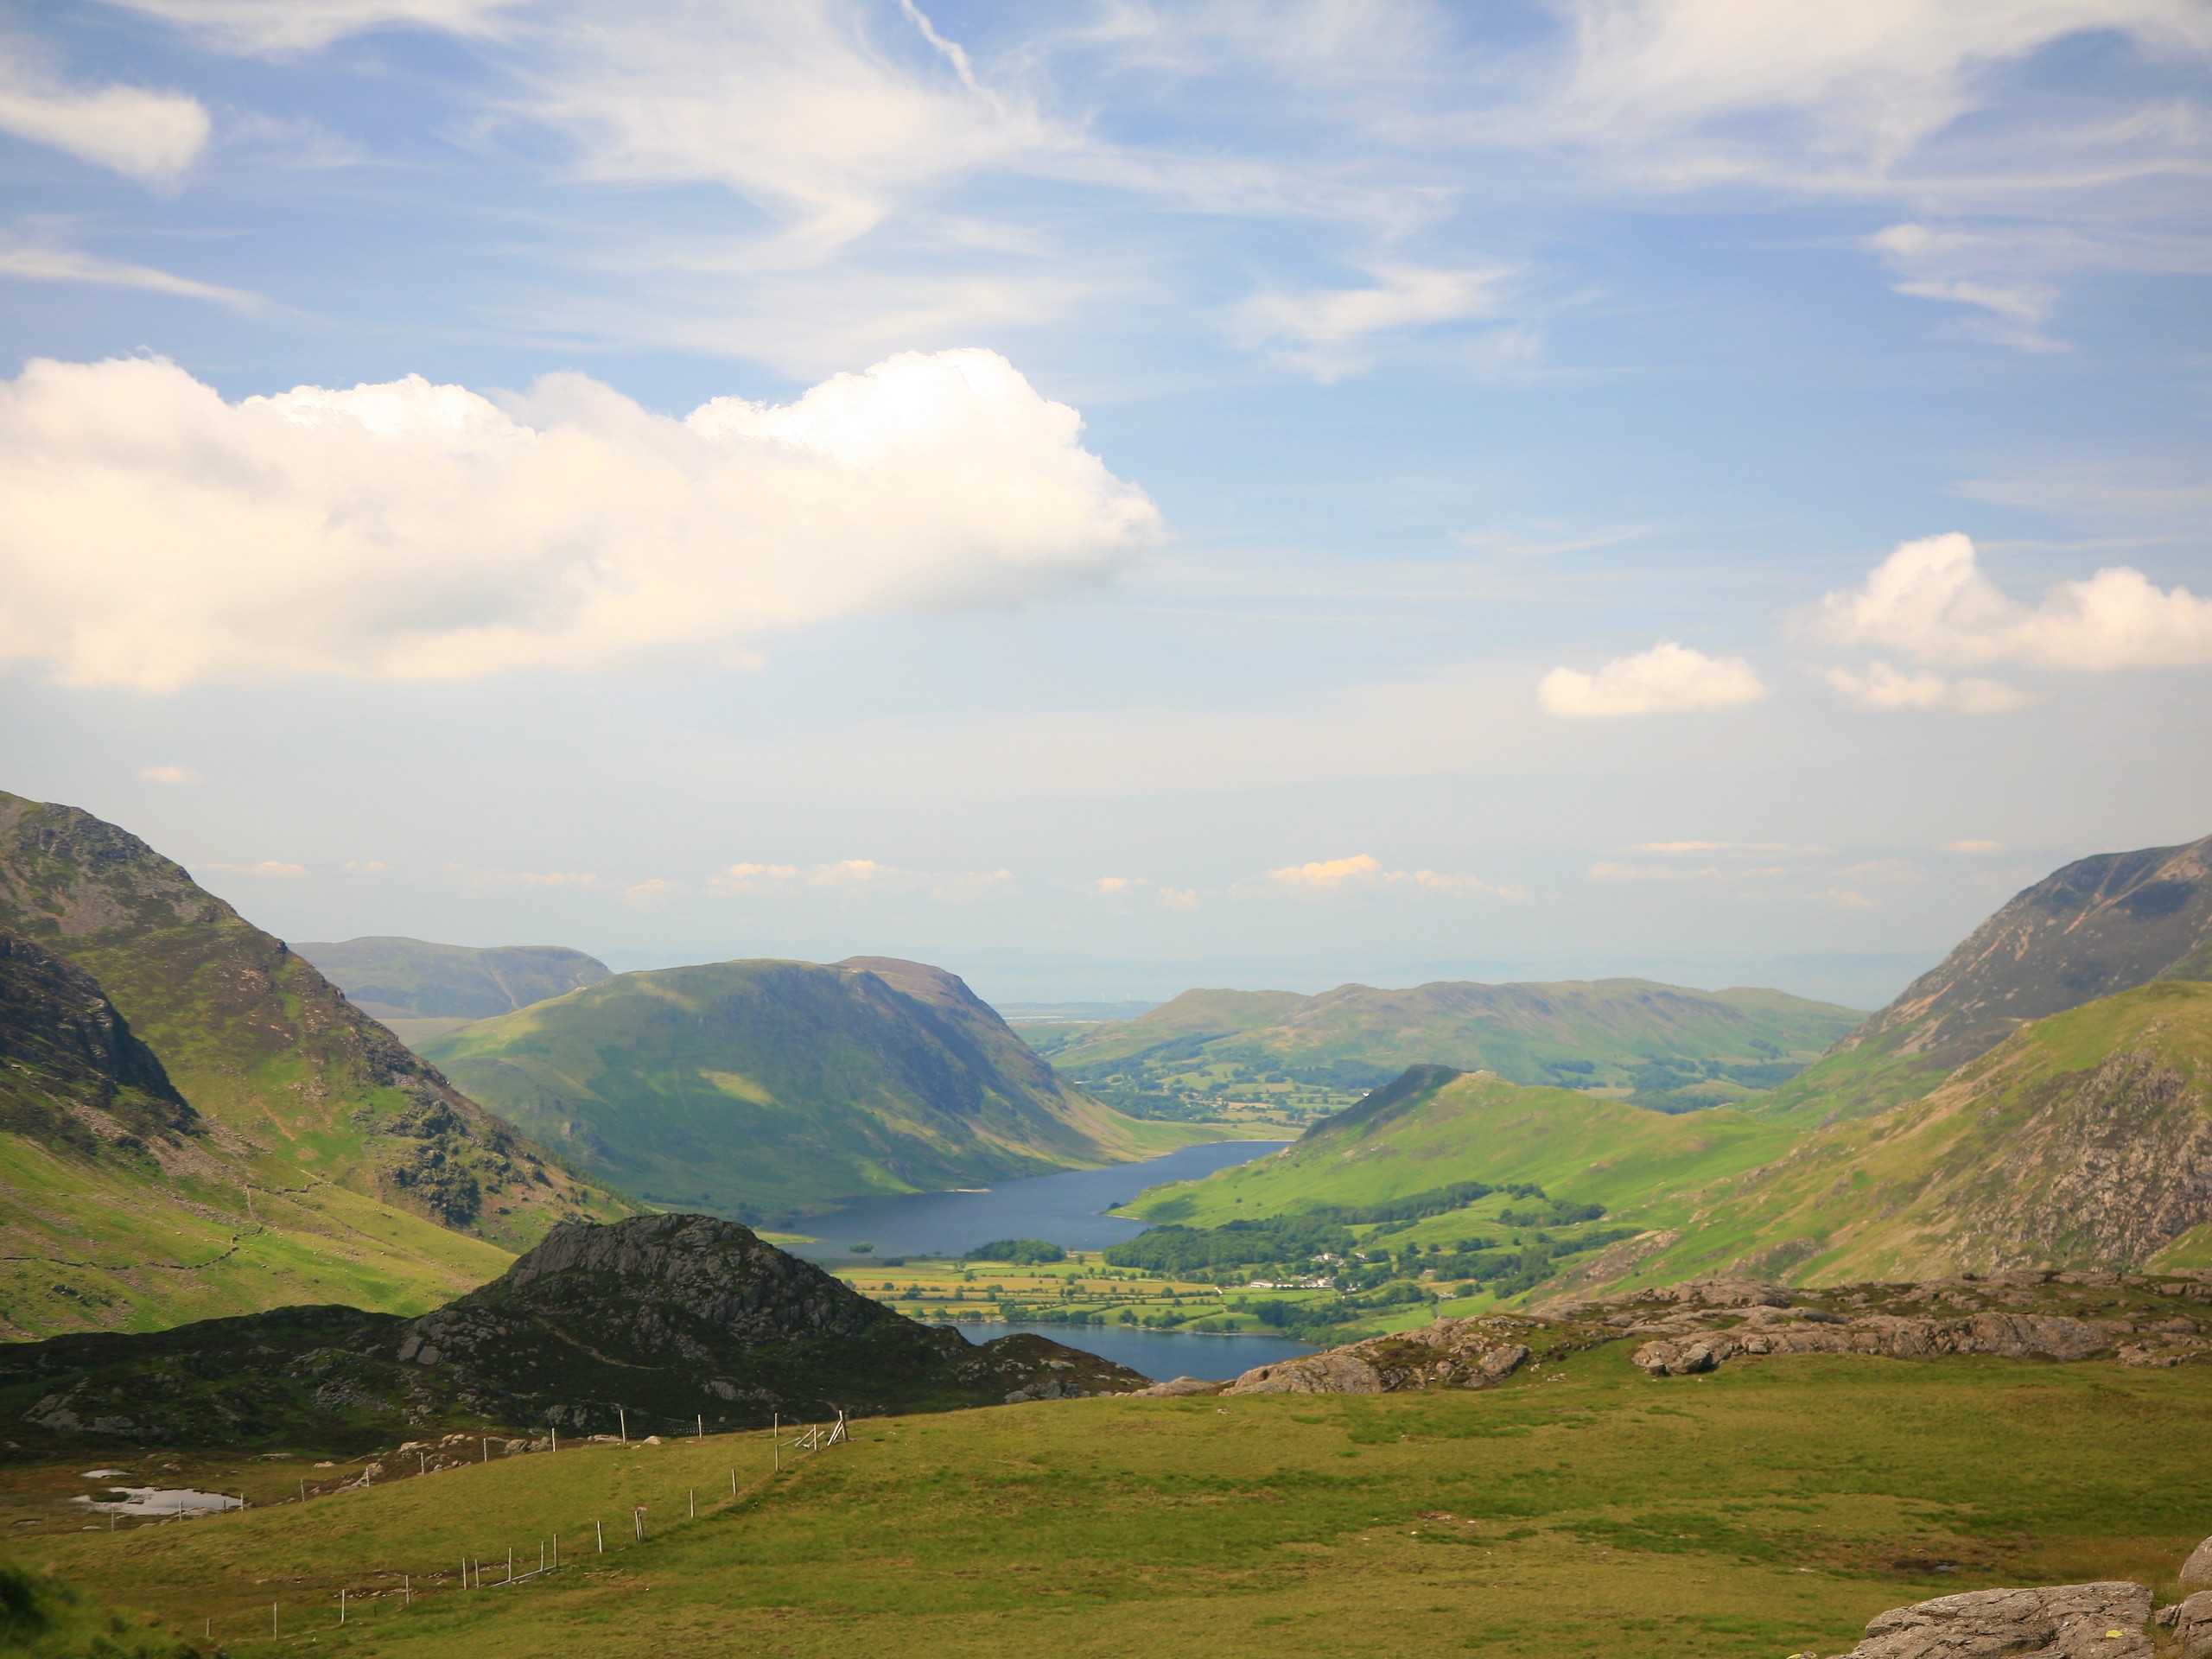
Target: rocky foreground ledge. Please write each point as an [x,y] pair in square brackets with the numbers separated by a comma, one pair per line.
[2109,1620]
[1687,1329]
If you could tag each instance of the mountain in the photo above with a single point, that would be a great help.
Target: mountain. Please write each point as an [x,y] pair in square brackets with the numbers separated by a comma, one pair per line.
[659,1323]
[2098,926]
[1434,1127]
[201,1123]
[1661,1045]
[2082,1140]
[412,980]
[770,1088]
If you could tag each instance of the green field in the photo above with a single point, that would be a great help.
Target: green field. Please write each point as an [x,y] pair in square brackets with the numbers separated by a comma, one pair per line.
[1581,1509]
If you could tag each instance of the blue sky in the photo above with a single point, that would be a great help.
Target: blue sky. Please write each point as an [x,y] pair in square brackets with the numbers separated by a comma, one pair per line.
[1241,493]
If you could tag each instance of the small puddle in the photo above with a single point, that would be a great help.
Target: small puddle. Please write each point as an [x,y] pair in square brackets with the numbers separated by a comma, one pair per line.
[161,1500]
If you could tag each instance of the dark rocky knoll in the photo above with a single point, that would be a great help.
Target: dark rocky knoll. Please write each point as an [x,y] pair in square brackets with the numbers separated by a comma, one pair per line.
[2097,926]
[675,1319]
[1682,1330]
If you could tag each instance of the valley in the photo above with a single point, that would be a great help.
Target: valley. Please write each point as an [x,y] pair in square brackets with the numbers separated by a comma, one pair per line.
[1488,1314]
[1549,1515]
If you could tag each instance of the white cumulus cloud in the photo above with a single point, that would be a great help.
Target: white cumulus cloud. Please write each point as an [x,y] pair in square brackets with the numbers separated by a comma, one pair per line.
[152,535]
[1669,679]
[169,774]
[147,136]
[1931,600]
[1884,685]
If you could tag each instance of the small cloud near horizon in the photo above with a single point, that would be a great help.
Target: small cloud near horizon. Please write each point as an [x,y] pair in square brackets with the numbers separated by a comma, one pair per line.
[1669,679]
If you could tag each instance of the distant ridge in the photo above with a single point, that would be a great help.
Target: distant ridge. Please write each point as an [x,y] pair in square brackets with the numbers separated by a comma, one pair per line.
[1669,1046]
[391,977]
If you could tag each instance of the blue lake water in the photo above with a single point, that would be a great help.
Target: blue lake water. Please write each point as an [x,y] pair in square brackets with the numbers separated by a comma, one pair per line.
[1159,1355]
[1066,1209]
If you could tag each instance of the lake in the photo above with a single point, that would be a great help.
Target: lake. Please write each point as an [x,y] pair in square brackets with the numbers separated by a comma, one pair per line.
[1159,1354]
[1064,1209]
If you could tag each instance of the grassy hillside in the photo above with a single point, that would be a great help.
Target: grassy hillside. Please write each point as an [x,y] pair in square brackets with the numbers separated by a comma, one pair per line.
[1612,1178]
[316,1154]
[1477,1127]
[413,979]
[1661,1045]
[2098,926]
[2084,1140]
[763,1089]
[1558,1514]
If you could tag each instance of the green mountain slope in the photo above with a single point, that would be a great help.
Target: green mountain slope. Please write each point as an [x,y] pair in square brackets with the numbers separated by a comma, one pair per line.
[414,979]
[2097,926]
[316,1154]
[1662,1045]
[125,1207]
[2082,1140]
[1434,1127]
[767,1088]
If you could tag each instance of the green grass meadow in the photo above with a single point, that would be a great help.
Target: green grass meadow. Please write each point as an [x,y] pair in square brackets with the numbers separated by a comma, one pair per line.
[1581,1510]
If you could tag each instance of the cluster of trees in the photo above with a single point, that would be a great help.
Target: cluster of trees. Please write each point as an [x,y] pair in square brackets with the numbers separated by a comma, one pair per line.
[1198,1252]
[1017,1252]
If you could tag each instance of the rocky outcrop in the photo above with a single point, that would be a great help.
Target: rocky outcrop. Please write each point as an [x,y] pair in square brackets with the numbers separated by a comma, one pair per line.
[2071,1621]
[1476,1353]
[1791,1331]
[1687,1329]
[2133,1318]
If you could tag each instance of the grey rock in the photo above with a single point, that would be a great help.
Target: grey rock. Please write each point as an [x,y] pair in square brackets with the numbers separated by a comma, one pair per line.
[2069,1621]
[1177,1387]
[2196,1571]
[2191,1623]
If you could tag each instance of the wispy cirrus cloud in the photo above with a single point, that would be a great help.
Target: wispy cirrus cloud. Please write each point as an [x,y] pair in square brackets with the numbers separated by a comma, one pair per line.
[1363,872]
[48,261]
[855,876]
[152,136]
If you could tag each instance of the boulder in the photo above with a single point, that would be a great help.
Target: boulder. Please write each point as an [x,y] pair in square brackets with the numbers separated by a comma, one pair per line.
[2191,1623]
[1666,1358]
[2196,1571]
[1338,1372]
[2068,1621]
[1177,1387]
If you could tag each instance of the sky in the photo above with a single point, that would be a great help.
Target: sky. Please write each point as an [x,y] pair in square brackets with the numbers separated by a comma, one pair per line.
[1109,497]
